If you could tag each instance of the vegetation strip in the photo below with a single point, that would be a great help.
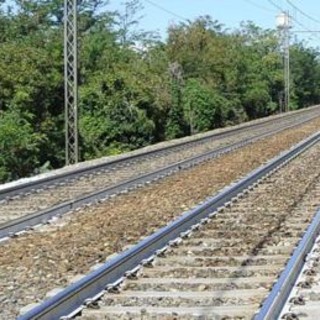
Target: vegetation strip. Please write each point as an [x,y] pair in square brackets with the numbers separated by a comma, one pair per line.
[277,298]
[135,87]
[25,223]
[75,295]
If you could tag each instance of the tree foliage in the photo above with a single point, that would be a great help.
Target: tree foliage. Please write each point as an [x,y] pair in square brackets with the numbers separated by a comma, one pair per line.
[134,88]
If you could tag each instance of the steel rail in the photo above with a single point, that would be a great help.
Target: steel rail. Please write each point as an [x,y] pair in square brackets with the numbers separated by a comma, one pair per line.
[31,186]
[28,221]
[71,300]
[275,302]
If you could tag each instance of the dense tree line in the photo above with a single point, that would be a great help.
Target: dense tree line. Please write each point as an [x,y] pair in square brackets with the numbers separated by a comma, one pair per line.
[134,89]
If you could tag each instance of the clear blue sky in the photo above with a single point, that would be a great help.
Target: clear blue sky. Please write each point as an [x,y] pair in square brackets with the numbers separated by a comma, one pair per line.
[230,13]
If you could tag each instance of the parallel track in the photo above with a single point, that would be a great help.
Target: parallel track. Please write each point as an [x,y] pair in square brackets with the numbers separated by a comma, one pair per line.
[246,265]
[32,185]
[24,213]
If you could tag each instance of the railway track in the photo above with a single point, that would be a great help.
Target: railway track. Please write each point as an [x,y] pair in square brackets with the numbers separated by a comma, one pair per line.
[295,295]
[301,280]
[217,261]
[23,212]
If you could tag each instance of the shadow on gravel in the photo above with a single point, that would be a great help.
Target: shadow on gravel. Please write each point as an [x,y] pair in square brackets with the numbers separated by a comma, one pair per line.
[210,314]
[265,240]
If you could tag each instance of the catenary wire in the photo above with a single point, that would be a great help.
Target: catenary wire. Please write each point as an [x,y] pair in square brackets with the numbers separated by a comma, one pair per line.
[294,19]
[302,12]
[166,10]
[260,6]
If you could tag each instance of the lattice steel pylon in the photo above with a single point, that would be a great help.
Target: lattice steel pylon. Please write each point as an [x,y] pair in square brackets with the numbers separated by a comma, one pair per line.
[71,81]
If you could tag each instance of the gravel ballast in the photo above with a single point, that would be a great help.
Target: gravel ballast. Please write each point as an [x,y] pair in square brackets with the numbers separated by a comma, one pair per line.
[37,262]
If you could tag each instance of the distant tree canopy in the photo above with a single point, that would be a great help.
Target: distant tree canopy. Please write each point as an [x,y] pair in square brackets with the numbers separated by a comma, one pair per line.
[134,88]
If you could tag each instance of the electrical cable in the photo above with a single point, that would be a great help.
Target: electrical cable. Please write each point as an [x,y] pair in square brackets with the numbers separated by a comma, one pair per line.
[293,18]
[166,10]
[302,12]
[275,5]
[305,28]
[260,6]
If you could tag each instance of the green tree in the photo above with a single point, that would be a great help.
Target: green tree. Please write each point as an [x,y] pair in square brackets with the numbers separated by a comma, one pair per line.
[134,88]
[19,145]
[175,125]
[203,107]
[305,76]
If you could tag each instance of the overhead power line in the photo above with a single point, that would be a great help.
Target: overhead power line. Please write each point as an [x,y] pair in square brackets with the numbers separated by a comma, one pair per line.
[166,10]
[302,12]
[314,34]
[260,6]
[294,19]
[275,5]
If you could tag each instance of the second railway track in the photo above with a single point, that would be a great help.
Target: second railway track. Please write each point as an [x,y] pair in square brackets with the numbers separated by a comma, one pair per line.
[27,210]
[91,168]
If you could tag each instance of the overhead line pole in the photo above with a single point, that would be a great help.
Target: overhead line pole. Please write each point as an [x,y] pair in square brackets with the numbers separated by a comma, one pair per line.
[284,25]
[71,81]
[287,68]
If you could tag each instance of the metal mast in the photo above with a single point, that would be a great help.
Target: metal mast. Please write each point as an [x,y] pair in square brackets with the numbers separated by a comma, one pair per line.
[284,25]
[71,81]
[286,68]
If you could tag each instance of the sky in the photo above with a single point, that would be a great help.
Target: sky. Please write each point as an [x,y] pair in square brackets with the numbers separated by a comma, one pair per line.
[158,14]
